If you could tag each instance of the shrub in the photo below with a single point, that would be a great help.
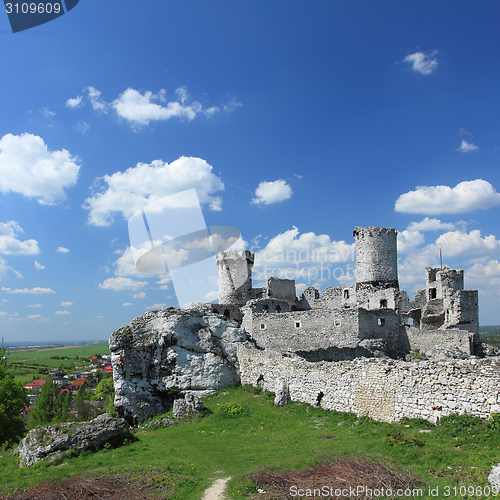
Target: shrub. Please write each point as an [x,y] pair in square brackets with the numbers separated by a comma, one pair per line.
[232,409]
[494,421]
[395,437]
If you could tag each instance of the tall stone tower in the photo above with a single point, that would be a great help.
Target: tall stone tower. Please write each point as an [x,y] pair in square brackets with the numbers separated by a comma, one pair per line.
[235,276]
[376,257]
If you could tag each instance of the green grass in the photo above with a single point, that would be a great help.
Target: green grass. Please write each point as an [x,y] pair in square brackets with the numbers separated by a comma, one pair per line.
[222,443]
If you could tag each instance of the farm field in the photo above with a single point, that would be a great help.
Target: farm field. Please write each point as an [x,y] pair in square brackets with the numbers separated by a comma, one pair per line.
[29,363]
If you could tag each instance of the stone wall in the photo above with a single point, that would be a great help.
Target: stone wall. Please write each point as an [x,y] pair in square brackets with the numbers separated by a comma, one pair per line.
[434,342]
[385,390]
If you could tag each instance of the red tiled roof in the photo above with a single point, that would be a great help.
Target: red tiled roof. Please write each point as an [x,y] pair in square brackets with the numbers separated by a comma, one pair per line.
[109,368]
[39,382]
[80,382]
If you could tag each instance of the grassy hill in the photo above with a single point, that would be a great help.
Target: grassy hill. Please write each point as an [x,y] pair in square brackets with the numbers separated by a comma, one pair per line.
[243,431]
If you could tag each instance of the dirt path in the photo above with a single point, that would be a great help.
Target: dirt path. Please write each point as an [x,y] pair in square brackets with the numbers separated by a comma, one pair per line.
[216,491]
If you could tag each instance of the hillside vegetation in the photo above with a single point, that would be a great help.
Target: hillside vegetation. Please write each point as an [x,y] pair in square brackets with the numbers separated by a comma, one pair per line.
[242,432]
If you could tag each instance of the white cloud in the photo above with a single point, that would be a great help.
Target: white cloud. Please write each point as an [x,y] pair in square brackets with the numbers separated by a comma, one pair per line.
[119,284]
[74,102]
[139,295]
[62,313]
[232,105]
[428,224]
[34,316]
[156,306]
[10,245]
[268,193]
[307,257]
[100,317]
[38,266]
[45,111]
[211,296]
[97,103]
[129,191]
[466,147]
[464,197]
[34,305]
[37,290]
[66,304]
[164,280]
[458,243]
[82,126]
[62,250]
[409,240]
[128,304]
[29,168]
[422,63]
[140,109]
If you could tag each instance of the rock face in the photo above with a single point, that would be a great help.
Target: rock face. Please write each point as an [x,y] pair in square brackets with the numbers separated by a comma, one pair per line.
[49,442]
[494,477]
[171,350]
[184,407]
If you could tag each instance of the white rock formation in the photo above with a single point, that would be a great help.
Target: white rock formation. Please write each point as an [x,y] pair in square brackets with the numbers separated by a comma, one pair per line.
[171,350]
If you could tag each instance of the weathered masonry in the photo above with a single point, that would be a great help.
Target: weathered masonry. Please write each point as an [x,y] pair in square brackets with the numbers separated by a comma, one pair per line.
[383,389]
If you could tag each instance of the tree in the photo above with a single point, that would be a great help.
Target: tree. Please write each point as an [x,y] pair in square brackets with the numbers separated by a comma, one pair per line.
[13,399]
[82,404]
[45,408]
[105,388]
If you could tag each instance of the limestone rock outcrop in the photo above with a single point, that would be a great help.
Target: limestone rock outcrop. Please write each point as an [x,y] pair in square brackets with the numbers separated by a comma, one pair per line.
[51,441]
[171,350]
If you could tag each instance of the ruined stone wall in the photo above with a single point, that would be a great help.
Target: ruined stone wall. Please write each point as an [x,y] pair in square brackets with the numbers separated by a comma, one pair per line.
[305,330]
[462,310]
[281,289]
[385,390]
[433,342]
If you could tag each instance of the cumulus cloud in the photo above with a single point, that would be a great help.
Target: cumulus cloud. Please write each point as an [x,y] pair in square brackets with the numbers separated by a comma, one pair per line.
[467,147]
[62,313]
[34,305]
[48,113]
[232,105]
[464,197]
[156,306]
[119,284]
[29,168]
[34,316]
[307,257]
[428,224]
[37,290]
[268,193]
[127,304]
[11,245]
[422,63]
[38,266]
[62,250]
[409,240]
[74,102]
[126,192]
[458,243]
[139,295]
[66,304]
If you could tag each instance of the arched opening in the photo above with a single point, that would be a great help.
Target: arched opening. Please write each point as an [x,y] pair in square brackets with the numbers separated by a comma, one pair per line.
[266,308]
[216,311]
[383,303]
[319,398]
[227,313]
[278,309]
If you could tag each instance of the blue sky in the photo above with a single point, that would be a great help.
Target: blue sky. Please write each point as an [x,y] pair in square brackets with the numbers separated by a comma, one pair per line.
[295,121]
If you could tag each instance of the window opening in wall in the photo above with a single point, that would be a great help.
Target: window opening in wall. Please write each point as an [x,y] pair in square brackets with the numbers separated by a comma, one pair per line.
[297,324]
[337,322]
[278,309]
[383,303]
[410,321]
[346,294]
[227,313]
[262,326]
[266,308]
[432,293]
[293,308]
[381,322]
[216,311]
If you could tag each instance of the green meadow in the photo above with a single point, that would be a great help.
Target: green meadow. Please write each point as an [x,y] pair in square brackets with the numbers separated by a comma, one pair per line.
[242,431]
[36,363]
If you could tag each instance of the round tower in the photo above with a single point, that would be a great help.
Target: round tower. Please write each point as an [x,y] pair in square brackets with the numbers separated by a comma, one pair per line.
[376,256]
[235,276]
